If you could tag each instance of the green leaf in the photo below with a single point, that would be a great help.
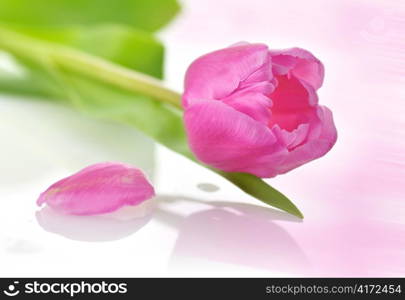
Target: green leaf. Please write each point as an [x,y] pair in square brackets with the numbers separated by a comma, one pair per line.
[24,85]
[103,100]
[122,45]
[106,90]
[148,15]
[259,189]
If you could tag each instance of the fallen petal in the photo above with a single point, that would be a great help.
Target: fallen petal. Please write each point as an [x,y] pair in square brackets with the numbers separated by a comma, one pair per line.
[98,189]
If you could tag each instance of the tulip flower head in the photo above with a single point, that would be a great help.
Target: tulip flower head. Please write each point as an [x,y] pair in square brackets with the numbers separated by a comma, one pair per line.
[254,110]
[98,189]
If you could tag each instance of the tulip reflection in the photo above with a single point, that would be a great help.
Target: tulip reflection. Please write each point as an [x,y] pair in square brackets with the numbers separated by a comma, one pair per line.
[234,233]
[101,228]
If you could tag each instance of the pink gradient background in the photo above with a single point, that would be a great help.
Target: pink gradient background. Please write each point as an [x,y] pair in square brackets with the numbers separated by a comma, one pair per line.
[353,199]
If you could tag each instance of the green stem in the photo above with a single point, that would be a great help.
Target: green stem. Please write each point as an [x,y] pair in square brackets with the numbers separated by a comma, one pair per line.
[51,54]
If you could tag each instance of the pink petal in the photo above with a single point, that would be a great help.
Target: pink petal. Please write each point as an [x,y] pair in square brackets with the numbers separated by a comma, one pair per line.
[294,138]
[254,104]
[98,189]
[231,141]
[321,137]
[216,75]
[301,63]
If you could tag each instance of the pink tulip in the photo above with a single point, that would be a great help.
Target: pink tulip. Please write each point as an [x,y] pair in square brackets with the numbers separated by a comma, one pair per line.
[254,110]
[98,189]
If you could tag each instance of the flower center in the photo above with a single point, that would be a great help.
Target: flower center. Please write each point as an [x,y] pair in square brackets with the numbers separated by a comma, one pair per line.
[290,103]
